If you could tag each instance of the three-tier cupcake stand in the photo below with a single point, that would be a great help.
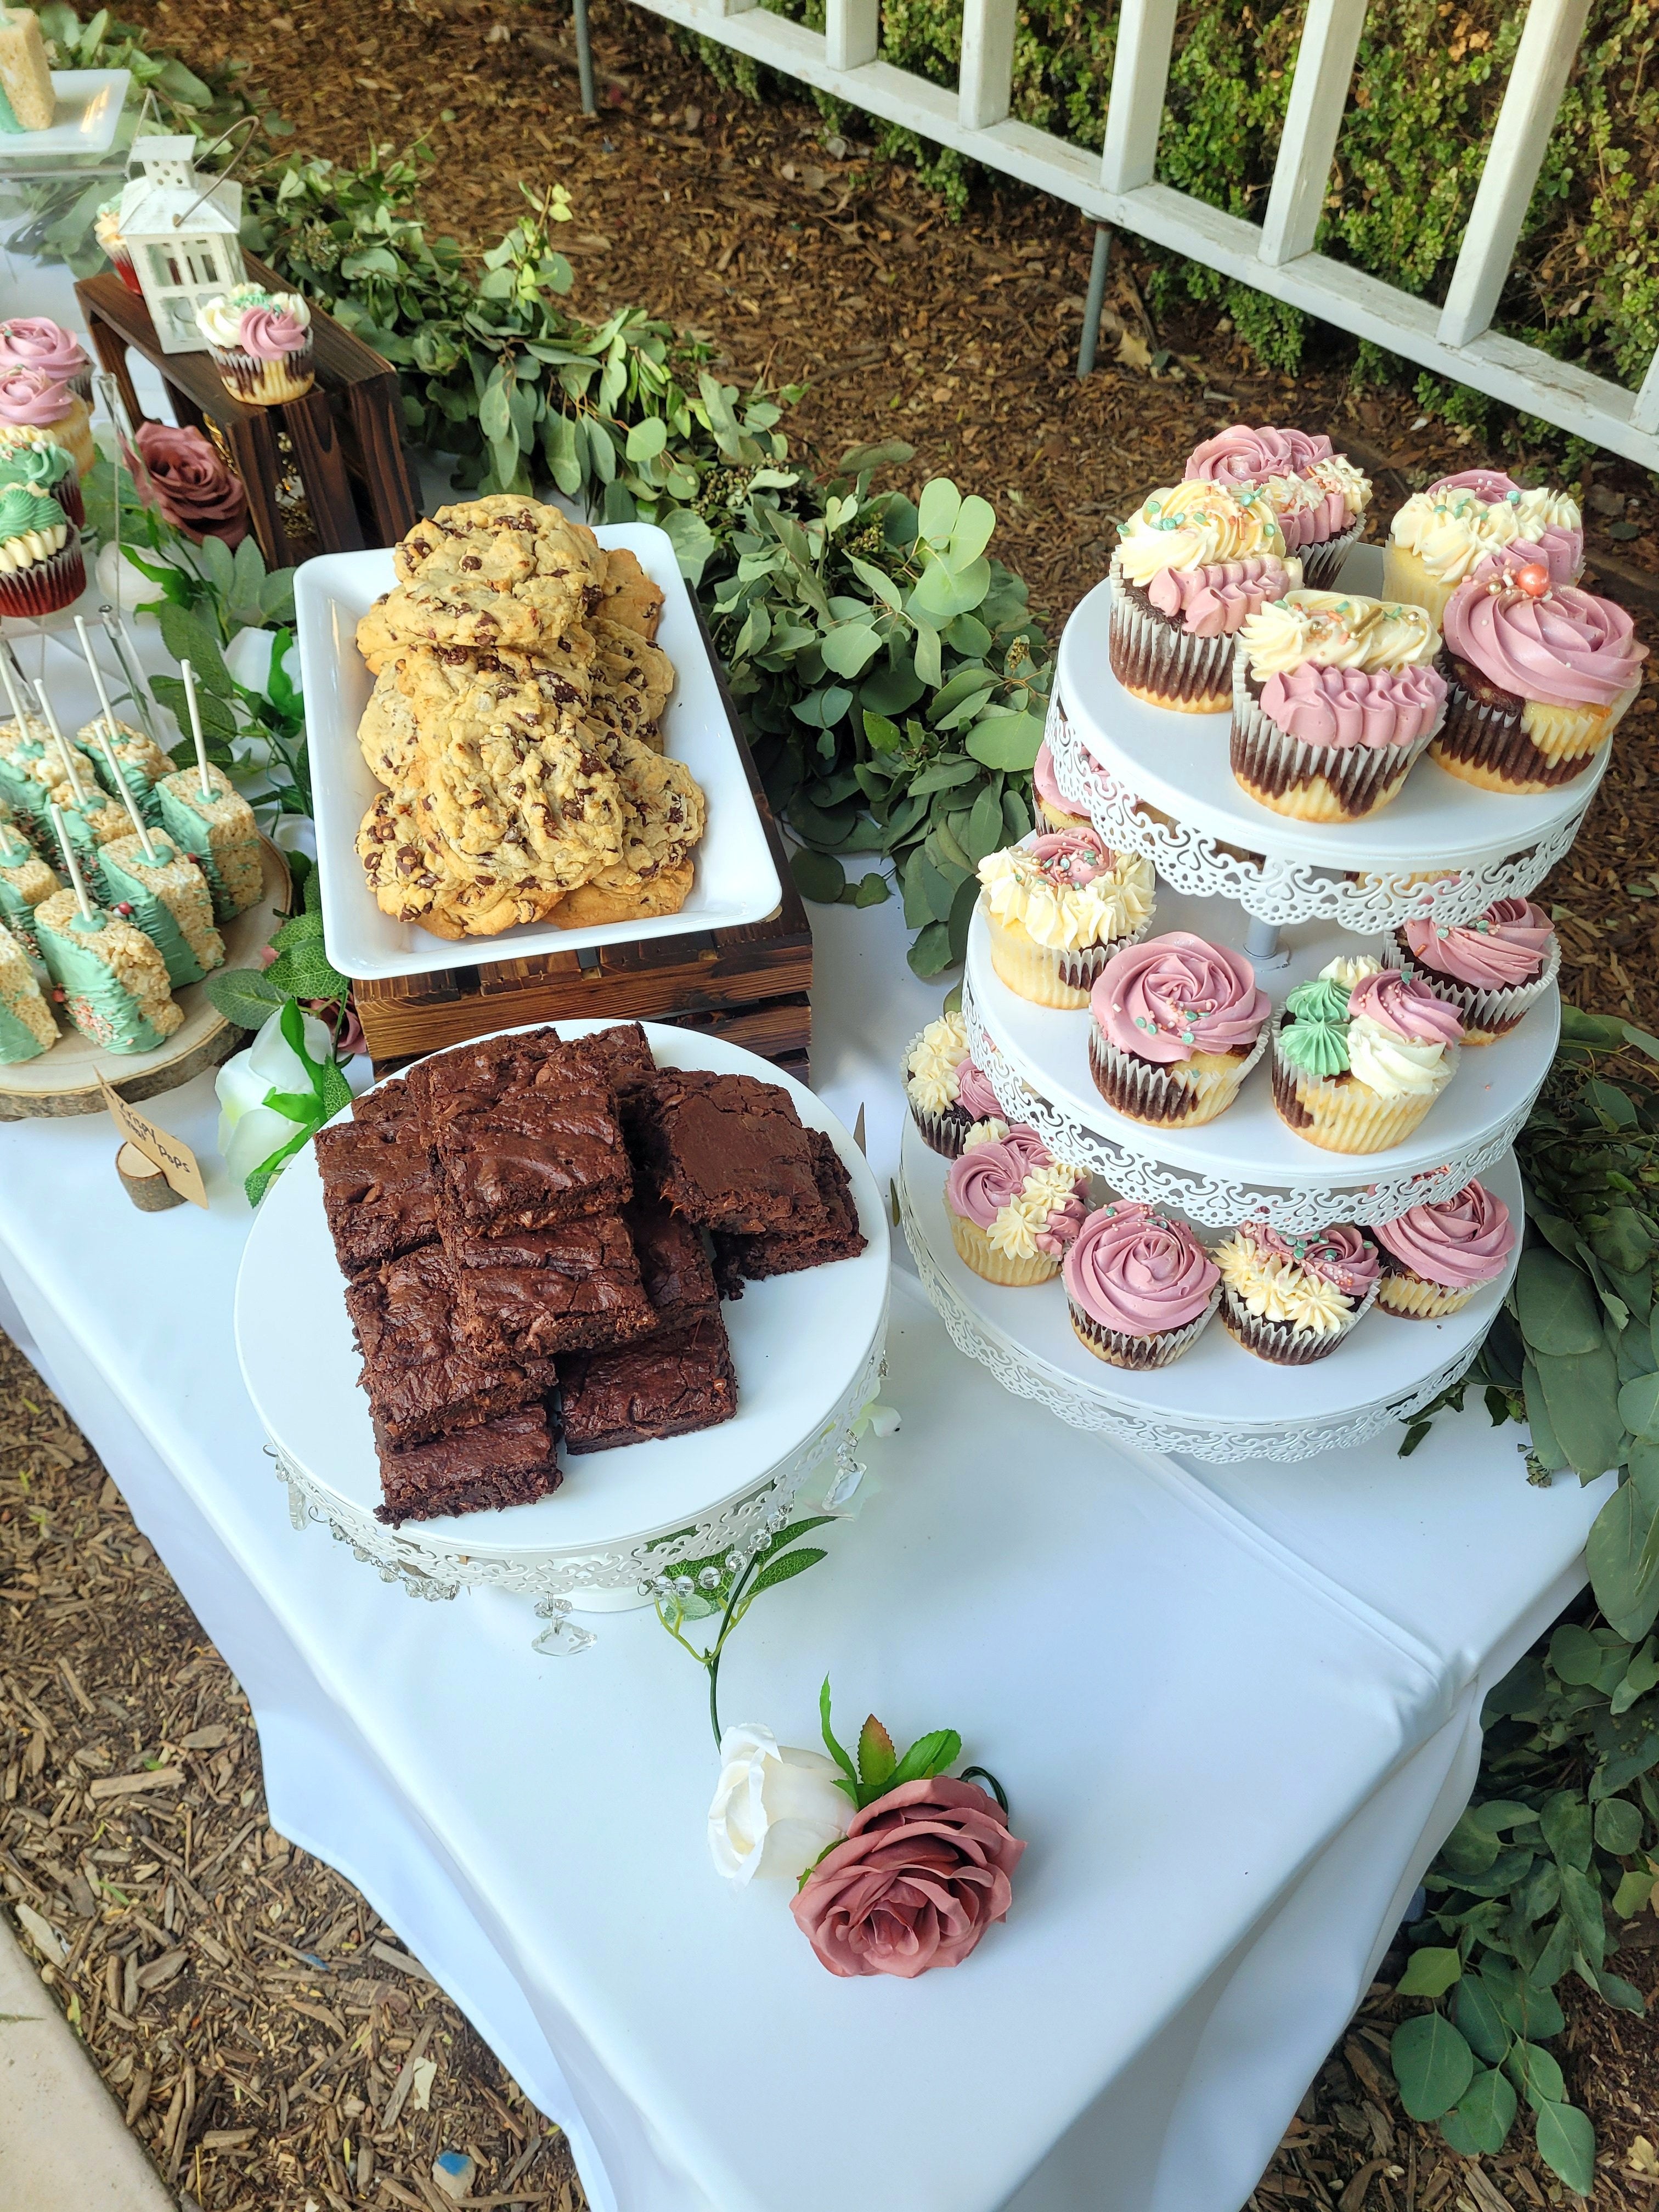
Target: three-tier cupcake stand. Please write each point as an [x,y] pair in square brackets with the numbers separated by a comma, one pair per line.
[1292,896]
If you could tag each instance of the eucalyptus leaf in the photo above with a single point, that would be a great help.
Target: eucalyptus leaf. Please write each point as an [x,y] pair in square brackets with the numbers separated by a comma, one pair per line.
[1479,2124]
[1429,1972]
[1432,2065]
[1566,2143]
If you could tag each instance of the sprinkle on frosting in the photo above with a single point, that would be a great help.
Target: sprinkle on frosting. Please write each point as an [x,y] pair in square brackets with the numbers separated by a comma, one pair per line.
[1507,946]
[1067,889]
[1561,646]
[1275,1287]
[1197,526]
[1337,629]
[1342,1255]
[1014,1189]
[1133,1270]
[1174,996]
[1455,523]
[1462,1242]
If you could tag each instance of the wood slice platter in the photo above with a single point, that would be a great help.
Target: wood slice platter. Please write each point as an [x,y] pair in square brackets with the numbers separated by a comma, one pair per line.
[65,1079]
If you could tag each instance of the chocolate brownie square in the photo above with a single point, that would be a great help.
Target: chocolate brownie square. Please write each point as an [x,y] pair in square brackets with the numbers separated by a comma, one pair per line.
[728,1153]
[673,1263]
[621,1053]
[504,1462]
[420,1377]
[378,1190]
[532,1293]
[525,1136]
[785,1251]
[678,1380]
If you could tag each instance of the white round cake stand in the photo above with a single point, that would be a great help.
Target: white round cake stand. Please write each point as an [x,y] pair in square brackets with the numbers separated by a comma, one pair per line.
[809,1353]
[1247,1161]
[1219,1403]
[1159,783]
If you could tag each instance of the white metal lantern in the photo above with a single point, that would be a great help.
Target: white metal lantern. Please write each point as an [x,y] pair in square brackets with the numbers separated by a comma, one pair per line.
[183,231]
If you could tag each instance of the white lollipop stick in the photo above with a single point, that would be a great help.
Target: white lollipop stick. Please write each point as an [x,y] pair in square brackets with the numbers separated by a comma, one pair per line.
[189,675]
[72,865]
[65,750]
[116,630]
[7,678]
[97,676]
[125,790]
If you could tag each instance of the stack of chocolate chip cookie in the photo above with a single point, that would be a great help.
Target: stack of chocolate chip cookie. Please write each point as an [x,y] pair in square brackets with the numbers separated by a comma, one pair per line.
[514,723]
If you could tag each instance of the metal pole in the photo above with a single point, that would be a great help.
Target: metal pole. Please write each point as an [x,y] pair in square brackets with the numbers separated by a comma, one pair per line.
[1261,944]
[1092,305]
[584,56]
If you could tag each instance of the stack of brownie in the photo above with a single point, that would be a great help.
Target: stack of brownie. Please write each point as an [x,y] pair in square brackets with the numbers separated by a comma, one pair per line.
[521,1224]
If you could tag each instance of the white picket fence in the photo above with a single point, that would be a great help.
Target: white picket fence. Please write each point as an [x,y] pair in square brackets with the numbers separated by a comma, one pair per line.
[1116,187]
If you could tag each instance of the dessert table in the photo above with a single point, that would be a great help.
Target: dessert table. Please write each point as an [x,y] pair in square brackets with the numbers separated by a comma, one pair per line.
[1237,1708]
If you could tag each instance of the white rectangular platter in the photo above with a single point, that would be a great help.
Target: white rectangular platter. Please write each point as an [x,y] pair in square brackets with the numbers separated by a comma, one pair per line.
[737,881]
[89,103]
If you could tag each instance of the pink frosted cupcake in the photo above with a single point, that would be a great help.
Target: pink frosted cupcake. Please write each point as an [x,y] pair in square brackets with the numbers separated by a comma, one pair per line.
[261,344]
[1178,1024]
[35,342]
[1540,676]
[1140,1288]
[1292,1299]
[1440,537]
[1193,563]
[1012,1207]
[1492,970]
[1435,1258]
[1056,908]
[1361,1055]
[1317,494]
[946,1094]
[1053,809]
[33,400]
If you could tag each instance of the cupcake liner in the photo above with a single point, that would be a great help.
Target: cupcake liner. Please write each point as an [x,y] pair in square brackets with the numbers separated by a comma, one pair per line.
[265,383]
[68,497]
[1342,1114]
[1048,977]
[1158,661]
[942,1133]
[1278,1341]
[121,263]
[975,1249]
[81,384]
[1313,783]
[1321,562]
[45,585]
[1495,744]
[1119,1349]
[1412,1296]
[1486,1015]
[1185,1094]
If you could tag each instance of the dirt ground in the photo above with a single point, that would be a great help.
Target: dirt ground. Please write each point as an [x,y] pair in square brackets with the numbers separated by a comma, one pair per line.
[228,1987]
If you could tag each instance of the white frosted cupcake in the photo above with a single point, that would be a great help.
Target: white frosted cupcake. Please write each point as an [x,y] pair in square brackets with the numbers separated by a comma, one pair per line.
[1362,1053]
[946,1094]
[1292,1299]
[1057,907]
[1193,561]
[1140,1288]
[1440,537]
[1318,495]
[261,343]
[1435,1258]
[1012,1207]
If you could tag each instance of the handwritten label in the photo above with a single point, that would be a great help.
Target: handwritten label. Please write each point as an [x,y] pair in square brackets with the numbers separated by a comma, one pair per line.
[171,1154]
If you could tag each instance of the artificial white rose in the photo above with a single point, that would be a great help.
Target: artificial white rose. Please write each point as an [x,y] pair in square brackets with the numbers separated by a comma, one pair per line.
[123,584]
[776,1810]
[249,1130]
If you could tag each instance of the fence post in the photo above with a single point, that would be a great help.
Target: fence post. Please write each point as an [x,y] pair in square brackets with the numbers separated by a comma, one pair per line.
[1134,106]
[852,33]
[985,81]
[1319,93]
[1094,303]
[1644,415]
[584,56]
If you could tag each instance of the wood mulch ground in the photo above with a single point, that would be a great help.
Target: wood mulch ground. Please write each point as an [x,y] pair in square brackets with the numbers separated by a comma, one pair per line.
[256,2078]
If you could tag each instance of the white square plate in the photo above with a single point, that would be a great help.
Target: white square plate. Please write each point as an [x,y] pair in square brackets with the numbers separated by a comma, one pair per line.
[89,103]
[736,880]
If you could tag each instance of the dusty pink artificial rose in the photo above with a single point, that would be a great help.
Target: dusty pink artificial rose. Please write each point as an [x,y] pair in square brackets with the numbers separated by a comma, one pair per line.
[920,1876]
[194,489]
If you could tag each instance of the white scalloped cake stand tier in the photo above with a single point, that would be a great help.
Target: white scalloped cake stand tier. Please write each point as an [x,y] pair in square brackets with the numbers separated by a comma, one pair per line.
[1247,1161]
[1219,1403]
[1160,783]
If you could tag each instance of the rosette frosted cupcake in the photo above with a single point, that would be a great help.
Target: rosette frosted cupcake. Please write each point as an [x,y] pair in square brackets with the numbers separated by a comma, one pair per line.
[28,456]
[41,565]
[946,1094]
[32,400]
[36,342]
[1435,1258]
[1336,699]
[1540,676]
[1178,1024]
[1014,1208]
[1053,809]
[1317,494]
[1057,907]
[1141,1289]
[1292,1299]
[1361,1056]
[106,229]
[1193,563]
[1491,970]
[261,343]
[1441,536]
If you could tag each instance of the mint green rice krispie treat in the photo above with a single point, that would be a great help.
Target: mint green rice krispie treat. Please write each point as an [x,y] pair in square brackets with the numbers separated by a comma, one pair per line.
[112,982]
[141,761]
[27,1028]
[168,899]
[220,832]
[25,881]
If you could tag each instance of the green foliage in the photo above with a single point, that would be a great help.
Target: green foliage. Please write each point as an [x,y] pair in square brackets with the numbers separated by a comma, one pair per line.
[727,1584]
[878,1768]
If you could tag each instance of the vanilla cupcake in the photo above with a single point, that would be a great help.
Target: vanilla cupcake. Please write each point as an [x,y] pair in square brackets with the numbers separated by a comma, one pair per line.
[36,342]
[261,344]
[1292,1299]
[1057,907]
[1435,1258]
[1193,561]
[1178,1024]
[1053,809]
[41,569]
[1140,1288]
[1441,536]
[1318,495]
[1492,970]
[946,1094]
[1336,699]
[1012,1207]
[1361,1056]
[1540,675]
[32,400]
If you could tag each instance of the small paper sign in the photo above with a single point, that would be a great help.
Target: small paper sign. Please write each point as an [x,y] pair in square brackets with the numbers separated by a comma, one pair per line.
[171,1154]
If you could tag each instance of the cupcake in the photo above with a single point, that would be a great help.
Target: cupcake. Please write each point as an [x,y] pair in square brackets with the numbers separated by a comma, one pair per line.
[41,565]
[1140,1288]
[1540,675]
[1318,495]
[1292,1299]
[261,344]
[34,457]
[1361,1056]
[1053,809]
[1491,970]
[1178,1024]
[1193,563]
[32,400]
[106,229]
[1057,907]
[1014,1208]
[1441,536]
[946,1094]
[1336,699]
[35,342]
[1435,1258]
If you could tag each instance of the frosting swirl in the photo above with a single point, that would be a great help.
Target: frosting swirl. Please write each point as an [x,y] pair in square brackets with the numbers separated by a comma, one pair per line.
[1508,945]
[1453,525]
[29,395]
[1015,1190]
[33,527]
[1337,629]
[1405,1006]
[1174,996]
[1276,1287]
[1130,1269]
[974,1095]
[1241,455]
[42,468]
[269,325]
[1319,705]
[1563,646]
[1196,525]
[1458,1244]
[36,342]
[930,1072]
[1046,784]
[1067,889]
[1216,601]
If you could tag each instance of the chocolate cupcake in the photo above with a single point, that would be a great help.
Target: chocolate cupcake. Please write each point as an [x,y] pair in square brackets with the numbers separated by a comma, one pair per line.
[1057,906]
[1336,699]
[1440,537]
[946,1094]
[261,344]
[1053,809]
[1292,1299]
[1492,970]
[1012,1207]
[1140,1288]
[1193,563]
[1361,1055]
[1435,1258]
[1317,494]
[41,565]
[1178,1024]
